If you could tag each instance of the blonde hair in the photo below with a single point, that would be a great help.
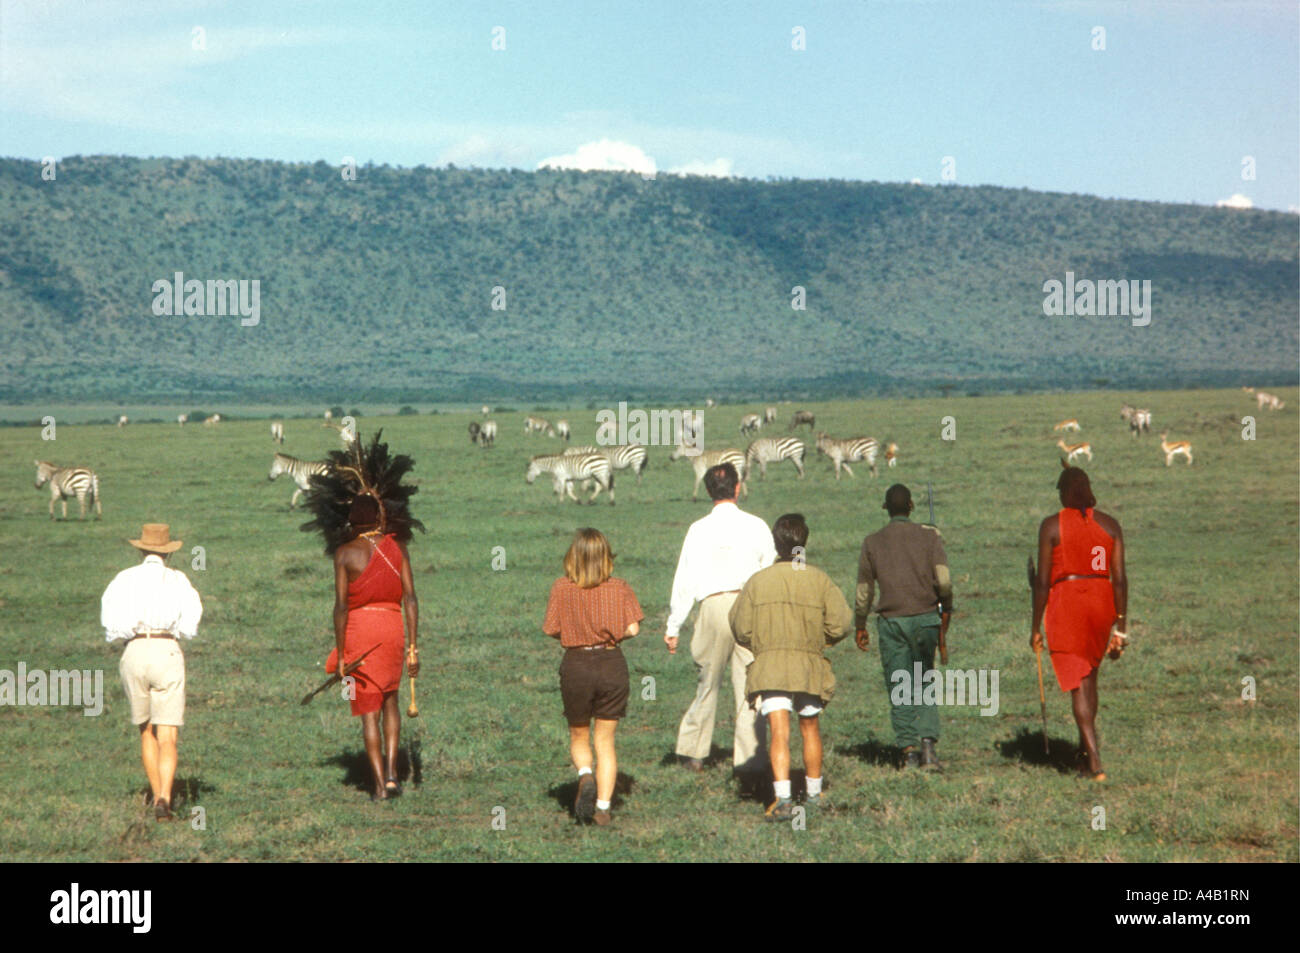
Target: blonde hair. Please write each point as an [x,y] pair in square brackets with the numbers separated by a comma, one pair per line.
[589,561]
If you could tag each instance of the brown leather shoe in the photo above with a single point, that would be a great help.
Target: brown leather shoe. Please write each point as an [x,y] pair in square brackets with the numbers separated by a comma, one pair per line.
[694,765]
[162,811]
[603,818]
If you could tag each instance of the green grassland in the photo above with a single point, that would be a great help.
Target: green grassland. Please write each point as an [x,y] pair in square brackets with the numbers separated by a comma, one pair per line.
[1196,773]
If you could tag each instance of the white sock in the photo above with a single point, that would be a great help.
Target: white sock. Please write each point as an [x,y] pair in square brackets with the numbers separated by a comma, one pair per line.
[602,805]
[582,771]
[782,788]
[814,786]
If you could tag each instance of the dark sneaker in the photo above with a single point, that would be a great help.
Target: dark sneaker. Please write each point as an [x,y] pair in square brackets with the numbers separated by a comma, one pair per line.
[929,758]
[162,811]
[584,805]
[911,758]
[603,818]
[816,802]
[782,809]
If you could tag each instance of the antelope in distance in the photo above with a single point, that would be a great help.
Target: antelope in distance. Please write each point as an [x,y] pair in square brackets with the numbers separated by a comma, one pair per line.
[1072,424]
[123,420]
[1139,421]
[1073,450]
[891,454]
[1172,450]
[487,411]
[1271,401]
[212,421]
[182,419]
[277,431]
[538,425]
[803,417]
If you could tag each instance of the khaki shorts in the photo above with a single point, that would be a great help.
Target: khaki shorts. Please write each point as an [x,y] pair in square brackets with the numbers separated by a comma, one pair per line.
[153,674]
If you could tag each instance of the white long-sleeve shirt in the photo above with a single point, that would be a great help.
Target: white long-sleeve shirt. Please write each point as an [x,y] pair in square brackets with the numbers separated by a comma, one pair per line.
[150,597]
[720,553]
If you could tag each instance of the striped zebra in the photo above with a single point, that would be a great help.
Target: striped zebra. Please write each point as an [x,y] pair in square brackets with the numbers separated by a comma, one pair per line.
[769,415]
[844,452]
[300,470]
[182,419]
[767,450]
[702,461]
[803,417]
[64,482]
[562,430]
[623,456]
[538,425]
[751,423]
[565,468]
[484,434]
[277,431]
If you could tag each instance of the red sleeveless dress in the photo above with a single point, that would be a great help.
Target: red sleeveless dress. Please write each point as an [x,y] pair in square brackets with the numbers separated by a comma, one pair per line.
[1079,612]
[375,618]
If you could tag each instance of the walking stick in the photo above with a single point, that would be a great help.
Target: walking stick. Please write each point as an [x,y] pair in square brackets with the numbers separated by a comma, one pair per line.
[413,711]
[339,676]
[1038,657]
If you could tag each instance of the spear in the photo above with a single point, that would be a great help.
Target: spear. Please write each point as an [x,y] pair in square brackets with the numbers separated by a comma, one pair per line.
[339,676]
[1038,657]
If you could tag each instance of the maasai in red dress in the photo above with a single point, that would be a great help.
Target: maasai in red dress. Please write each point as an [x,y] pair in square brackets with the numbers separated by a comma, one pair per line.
[375,618]
[1080,612]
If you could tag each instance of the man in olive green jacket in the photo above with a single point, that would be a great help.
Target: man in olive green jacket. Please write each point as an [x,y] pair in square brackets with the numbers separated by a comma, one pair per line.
[786,615]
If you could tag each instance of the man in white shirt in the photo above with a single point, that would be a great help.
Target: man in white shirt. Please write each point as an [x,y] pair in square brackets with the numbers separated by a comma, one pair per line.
[151,607]
[720,553]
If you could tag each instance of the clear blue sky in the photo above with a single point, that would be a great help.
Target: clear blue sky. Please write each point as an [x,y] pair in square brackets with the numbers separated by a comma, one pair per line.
[1013,91]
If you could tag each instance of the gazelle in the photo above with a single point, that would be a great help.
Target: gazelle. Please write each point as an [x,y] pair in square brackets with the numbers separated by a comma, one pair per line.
[1174,449]
[1270,401]
[1073,450]
[1071,424]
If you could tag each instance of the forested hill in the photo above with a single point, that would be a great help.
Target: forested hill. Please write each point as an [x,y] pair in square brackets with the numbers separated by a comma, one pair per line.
[615,286]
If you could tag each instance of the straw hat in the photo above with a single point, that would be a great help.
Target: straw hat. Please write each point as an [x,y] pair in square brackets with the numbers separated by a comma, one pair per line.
[156,538]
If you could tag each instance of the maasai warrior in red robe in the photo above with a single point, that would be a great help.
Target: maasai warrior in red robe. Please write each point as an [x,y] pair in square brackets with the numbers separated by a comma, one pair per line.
[1082,589]
[360,507]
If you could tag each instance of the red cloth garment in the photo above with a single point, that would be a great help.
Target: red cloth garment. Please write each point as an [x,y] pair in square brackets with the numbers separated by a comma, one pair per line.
[375,618]
[1080,612]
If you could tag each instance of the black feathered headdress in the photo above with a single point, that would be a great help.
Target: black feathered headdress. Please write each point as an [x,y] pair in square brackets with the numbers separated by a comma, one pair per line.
[358,471]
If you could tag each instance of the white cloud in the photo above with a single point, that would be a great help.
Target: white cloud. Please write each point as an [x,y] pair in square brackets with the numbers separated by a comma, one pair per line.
[717,168]
[604,155]
[1237,200]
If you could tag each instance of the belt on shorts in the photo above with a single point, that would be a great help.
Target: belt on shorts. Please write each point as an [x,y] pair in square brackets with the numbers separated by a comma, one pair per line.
[1074,576]
[593,648]
[152,634]
[724,592]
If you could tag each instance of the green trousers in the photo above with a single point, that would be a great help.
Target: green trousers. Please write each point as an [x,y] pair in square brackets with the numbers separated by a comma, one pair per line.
[904,641]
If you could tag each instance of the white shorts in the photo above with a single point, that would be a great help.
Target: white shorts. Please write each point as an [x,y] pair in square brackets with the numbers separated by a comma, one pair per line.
[808,705]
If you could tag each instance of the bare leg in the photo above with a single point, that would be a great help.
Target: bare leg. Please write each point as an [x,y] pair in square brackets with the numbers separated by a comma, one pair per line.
[167,758]
[392,734]
[370,734]
[580,746]
[149,755]
[606,760]
[810,729]
[778,742]
[1084,700]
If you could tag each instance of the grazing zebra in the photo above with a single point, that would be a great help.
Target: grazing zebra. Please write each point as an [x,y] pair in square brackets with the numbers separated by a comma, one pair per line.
[621,456]
[772,450]
[565,468]
[803,417]
[212,421]
[851,450]
[182,419]
[484,434]
[300,470]
[702,461]
[69,481]
[538,425]
[1271,401]
[277,431]
[1172,450]
[769,415]
[1064,425]
[1073,450]
[1138,420]
[562,429]
[123,419]
[750,423]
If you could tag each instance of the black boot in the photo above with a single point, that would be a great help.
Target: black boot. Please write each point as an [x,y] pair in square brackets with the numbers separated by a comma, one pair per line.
[929,758]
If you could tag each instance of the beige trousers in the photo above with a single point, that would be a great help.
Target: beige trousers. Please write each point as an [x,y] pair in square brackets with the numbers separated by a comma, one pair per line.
[715,652]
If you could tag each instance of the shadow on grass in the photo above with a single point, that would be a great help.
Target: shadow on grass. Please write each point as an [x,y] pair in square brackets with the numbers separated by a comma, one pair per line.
[410,767]
[717,756]
[564,794]
[184,791]
[1027,746]
[874,752]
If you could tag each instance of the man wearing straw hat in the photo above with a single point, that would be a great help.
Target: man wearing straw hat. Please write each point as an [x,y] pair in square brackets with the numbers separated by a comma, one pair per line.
[151,607]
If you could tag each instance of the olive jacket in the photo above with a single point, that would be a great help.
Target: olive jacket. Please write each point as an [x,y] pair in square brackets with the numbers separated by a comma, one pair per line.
[786,615]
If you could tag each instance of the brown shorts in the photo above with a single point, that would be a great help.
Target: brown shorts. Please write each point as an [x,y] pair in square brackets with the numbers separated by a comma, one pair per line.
[593,684]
